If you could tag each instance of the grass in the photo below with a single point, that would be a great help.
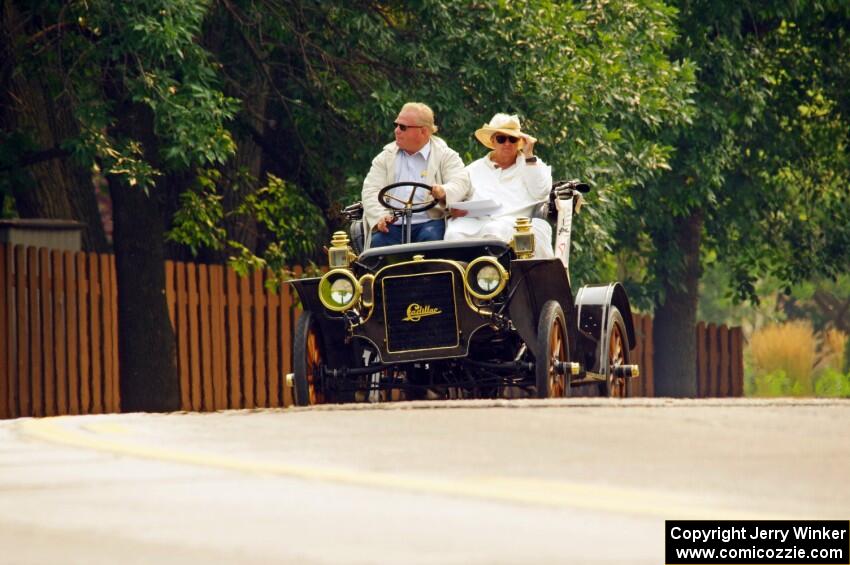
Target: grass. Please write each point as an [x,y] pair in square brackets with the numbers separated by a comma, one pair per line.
[783,356]
[790,359]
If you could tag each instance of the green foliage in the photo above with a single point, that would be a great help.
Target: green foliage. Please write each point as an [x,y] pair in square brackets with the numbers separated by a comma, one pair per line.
[769,385]
[198,221]
[148,54]
[833,384]
[764,163]
[295,223]
[830,384]
[666,109]
[718,303]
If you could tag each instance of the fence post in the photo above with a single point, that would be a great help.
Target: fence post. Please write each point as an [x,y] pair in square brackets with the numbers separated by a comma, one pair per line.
[59,325]
[713,361]
[95,296]
[72,324]
[116,365]
[247,340]
[233,334]
[260,374]
[219,346]
[736,337]
[649,352]
[703,377]
[45,299]
[206,337]
[110,333]
[286,339]
[83,332]
[274,376]
[725,364]
[5,337]
[194,345]
[181,305]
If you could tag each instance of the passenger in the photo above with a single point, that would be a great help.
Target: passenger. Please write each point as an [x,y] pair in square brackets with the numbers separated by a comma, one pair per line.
[512,176]
[415,155]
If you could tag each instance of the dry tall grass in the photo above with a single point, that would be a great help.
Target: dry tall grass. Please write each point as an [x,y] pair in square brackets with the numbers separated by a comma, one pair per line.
[832,349]
[789,349]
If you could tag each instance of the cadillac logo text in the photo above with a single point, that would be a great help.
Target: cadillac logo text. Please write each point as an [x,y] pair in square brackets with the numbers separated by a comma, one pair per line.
[415,312]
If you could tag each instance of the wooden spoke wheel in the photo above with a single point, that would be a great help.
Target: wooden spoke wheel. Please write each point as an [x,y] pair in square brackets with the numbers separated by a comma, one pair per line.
[552,347]
[308,359]
[618,354]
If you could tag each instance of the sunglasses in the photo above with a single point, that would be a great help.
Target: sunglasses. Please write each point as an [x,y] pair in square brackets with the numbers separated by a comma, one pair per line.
[403,127]
[503,138]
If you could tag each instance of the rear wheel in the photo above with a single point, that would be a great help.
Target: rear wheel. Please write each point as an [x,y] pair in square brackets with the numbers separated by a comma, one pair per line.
[618,354]
[552,349]
[307,361]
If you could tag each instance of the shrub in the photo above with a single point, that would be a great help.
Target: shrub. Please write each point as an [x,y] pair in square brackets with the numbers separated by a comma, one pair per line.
[783,356]
[771,384]
[833,384]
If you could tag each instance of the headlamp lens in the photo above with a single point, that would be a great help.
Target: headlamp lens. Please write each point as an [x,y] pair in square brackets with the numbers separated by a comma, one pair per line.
[487,278]
[342,291]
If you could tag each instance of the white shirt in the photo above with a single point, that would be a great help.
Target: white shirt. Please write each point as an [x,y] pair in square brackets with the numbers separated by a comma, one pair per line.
[413,168]
[518,188]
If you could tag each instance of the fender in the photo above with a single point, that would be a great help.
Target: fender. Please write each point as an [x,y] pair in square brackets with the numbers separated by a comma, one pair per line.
[331,325]
[533,281]
[593,302]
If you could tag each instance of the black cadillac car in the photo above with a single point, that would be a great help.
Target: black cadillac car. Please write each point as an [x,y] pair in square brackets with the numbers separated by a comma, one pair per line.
[459,319]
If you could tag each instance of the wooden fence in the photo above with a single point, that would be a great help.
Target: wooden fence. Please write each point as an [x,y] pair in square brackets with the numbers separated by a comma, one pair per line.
[233,337]
[59,346]
[720,359]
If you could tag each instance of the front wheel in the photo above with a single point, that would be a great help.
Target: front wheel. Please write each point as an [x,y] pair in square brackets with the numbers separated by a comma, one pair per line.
[552,349]
[307,361]
[617,354]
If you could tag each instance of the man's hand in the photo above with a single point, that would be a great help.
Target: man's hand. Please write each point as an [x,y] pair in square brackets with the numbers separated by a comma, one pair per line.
[439,193]
[528,147]
[455,213]
[383,224]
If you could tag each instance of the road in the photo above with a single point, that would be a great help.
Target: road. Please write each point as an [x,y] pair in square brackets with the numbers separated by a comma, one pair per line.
[578,480]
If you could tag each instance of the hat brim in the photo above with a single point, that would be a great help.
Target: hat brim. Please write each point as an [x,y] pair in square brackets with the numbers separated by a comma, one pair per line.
[485,134]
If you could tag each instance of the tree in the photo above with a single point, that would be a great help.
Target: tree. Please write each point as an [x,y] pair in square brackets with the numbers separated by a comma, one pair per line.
[35,166]
[759,177]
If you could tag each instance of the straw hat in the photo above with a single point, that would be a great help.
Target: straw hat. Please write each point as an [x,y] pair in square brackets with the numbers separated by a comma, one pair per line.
[502,123]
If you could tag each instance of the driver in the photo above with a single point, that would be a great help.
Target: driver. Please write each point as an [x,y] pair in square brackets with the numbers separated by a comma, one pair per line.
[418,156]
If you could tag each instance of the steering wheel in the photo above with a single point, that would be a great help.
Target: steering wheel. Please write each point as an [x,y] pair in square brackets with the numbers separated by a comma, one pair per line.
[400,205]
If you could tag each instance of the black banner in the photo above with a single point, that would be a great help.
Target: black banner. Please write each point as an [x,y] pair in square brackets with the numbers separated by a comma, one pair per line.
[808,542]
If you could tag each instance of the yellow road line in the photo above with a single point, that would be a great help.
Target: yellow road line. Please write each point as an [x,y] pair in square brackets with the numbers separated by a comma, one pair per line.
[106,427]
[557,494]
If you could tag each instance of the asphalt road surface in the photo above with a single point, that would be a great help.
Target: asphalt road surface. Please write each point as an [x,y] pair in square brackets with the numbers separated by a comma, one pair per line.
[573,481]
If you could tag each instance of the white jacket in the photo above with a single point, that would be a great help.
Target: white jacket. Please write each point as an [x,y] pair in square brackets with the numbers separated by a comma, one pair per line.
[444,168]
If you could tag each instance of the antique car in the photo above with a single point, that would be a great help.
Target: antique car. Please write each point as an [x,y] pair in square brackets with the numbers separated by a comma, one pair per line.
[459,319]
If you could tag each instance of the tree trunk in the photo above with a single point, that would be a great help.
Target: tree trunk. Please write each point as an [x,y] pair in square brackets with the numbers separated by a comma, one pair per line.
[674,326]
[59,188]
[146,343]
